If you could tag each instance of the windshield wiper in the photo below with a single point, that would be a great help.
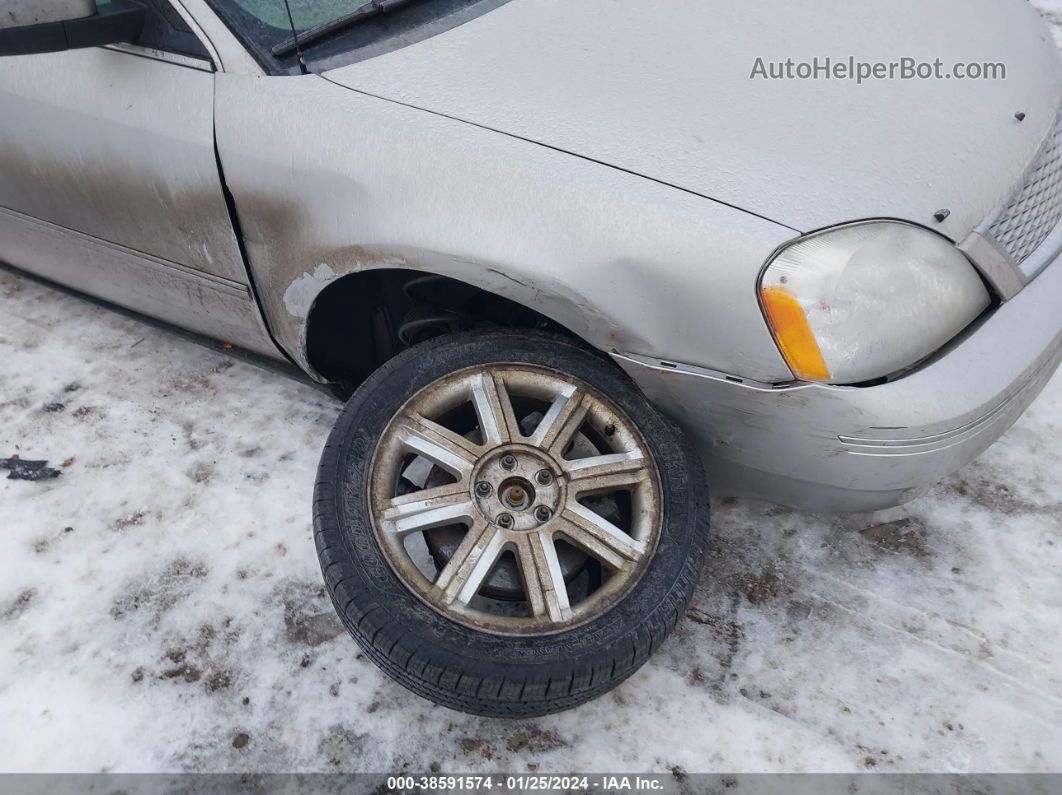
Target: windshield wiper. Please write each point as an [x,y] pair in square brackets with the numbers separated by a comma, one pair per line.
[370,9]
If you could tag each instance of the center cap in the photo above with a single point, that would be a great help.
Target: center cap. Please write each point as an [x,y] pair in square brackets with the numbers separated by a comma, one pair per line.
[518,487]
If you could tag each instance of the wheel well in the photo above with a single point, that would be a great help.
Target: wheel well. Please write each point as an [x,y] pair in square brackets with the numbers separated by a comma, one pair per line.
[361,320]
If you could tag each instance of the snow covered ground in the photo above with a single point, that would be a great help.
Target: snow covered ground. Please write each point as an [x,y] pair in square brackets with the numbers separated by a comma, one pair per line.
[161,606]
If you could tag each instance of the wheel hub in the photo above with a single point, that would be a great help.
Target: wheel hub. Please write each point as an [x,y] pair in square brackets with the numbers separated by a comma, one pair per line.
[508,492]
[516,492]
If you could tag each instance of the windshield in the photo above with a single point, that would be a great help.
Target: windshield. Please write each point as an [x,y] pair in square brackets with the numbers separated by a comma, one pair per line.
[266,26]
[305,14]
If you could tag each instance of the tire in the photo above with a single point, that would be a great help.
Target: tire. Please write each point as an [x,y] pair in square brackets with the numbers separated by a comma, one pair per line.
[449,658]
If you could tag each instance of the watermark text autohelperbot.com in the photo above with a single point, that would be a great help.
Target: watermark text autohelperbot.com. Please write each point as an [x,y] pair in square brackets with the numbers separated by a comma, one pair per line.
[860,71]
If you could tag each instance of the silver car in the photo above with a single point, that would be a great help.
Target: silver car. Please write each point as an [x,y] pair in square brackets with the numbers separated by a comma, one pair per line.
[557,255]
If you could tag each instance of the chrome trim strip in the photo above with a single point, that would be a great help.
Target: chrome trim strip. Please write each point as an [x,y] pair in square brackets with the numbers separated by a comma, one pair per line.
[908,446]
[162,55]
[938,437]
[670,366]
[197,29]
[207,279]
[993,264]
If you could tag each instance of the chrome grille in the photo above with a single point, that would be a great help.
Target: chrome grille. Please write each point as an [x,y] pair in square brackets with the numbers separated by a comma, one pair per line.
[1036,209]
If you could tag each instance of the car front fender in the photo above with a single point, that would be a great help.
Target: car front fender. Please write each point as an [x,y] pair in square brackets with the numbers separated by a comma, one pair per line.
[329,181]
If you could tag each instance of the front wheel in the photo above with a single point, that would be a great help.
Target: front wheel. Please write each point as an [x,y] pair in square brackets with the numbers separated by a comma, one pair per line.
[505,525]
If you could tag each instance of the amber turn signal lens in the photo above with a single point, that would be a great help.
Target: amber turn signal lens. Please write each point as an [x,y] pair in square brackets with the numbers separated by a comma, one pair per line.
[793,333]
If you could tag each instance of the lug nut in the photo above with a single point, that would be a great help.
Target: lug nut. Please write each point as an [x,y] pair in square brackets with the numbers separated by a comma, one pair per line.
[508,461]
[544,477]
[483,489]
[505,520]
[542,513]
[610,429]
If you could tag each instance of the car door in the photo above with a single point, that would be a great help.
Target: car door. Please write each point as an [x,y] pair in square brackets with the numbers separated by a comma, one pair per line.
[109,181]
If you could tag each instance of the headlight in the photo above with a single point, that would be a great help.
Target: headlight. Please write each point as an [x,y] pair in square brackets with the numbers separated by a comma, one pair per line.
[868,300]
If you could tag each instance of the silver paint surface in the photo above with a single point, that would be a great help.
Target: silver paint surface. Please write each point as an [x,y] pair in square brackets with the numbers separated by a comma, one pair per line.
[324,176]
[666,92]
[213,306]
[119,147]
[587,164]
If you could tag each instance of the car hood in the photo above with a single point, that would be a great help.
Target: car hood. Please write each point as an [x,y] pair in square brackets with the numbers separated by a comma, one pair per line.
[665,90]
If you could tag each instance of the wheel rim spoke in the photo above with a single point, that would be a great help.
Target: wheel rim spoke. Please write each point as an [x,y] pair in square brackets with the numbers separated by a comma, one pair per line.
[472,561]
[518,496]
[426,509]
[604,473]
[599,537]
[561,422]
[441,446]
[493,409]
[543,578]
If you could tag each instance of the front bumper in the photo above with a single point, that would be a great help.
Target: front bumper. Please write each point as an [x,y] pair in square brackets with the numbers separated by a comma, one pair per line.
[863,448]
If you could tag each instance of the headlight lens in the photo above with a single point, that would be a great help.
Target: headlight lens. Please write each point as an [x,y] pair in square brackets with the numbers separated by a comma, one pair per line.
[868,300]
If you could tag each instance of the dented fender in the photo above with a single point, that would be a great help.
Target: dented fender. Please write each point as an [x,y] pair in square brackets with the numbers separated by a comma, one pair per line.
[330,181]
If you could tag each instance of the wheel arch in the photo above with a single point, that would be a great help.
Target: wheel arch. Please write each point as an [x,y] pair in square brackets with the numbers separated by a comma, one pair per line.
[356,321]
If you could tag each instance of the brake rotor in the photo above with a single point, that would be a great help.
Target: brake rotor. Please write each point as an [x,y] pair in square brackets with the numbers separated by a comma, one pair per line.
[504,582]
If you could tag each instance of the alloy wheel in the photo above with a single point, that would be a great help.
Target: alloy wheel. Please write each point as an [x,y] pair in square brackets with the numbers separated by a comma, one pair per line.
[515,499]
